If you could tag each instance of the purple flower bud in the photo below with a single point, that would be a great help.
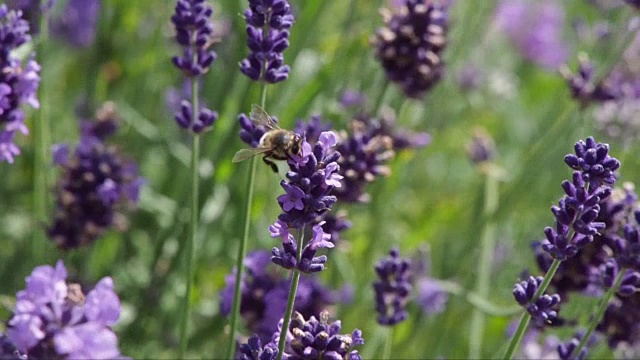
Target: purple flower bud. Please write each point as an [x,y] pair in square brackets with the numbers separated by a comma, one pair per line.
[392,289]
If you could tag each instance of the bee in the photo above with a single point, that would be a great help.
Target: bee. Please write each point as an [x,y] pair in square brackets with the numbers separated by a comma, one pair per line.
[275,144]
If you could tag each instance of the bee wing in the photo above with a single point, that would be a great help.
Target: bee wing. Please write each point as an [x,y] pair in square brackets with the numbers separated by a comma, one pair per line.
[260,117]
[244,154]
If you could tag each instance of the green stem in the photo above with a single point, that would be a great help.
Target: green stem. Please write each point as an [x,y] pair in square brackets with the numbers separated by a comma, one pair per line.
[41,161]
[242,248]
[293,290]
[602,307]
[491,199]
[526,317]
[189,245]
[388,344]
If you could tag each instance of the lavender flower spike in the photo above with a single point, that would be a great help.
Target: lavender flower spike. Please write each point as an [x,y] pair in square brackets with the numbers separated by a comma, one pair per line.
[393,288]
[544,308]
[53,319]
[18,81]
[268,23]
[194,32]
[410,45]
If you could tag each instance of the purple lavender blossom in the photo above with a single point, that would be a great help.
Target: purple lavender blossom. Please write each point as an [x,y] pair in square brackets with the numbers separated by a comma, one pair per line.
[620,321]
[481,149]
[431,297]
[587,89]
[577,212]
[543,308]
[393,288]
[18,81]
[53,319]
[95,183]
[264,295]
[633,3]
[8,350]
[319,339]
[566,351]
[194,32]
[535,29]
[411,43]
[253,350]
[77,23]
[268,23]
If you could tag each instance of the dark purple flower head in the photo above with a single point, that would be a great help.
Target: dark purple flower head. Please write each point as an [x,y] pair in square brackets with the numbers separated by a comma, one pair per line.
[594,163]
[535,28]
[268,23]
[18,81]
[620,323]
[96,182]
[633,3]
[586,88]
[77,23]
[544,308]
[264,295]
[8,350]
[392,288]
[481,148]
[53,319]
[319,339]
[194,31]
[253,350]
[566,351]
[203,122]
[411,43]
[577,212]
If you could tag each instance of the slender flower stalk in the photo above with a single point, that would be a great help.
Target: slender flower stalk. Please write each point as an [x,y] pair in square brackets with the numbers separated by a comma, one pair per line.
[291,299]
[487,248]
[194,33]
[602,307]
[242,248]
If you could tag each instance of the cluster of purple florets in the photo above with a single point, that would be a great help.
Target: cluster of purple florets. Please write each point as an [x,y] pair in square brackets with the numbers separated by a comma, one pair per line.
[543,307]
[410,45]
[194,32]
[53,319]
[268,23]
[393,288]
[19,81]
[264,294]
[94,184]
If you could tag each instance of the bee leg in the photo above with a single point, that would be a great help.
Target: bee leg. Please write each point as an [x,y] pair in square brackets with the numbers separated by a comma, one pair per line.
[270,163]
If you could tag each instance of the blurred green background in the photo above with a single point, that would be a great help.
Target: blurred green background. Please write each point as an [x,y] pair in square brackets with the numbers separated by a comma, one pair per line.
[433,198]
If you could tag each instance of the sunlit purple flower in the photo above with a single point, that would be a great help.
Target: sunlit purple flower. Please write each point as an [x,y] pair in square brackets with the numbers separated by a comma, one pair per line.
[410,45]
[319,339]
[268,23]
[53,319]
[95,184]
[18,81]
[535,28]
[77,23]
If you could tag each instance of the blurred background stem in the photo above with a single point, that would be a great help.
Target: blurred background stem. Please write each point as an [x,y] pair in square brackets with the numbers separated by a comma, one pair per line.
[189,246]
[487,248]
[242,247]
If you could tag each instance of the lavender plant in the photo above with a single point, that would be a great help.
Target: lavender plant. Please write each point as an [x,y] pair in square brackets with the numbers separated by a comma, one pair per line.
[268,24]
[194,31]
[576,226]
[95,186]
[19,80]
[55,319]
[77,23]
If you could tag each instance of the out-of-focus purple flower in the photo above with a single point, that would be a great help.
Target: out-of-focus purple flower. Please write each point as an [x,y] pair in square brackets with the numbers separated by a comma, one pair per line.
[319,339]
[268,23]
[634,3]
[392,288]
[470,77]
[587,89]
[352,98]
[481,149]
[535,28]
[411,43]
[8,350]
[253,350]
[620,321]
[431,296]
[264,295]
[18,81]
[96,182]
[578,210]
[53,319]
[533,347]
[566,351]
[544,308]
[77,23]
[194,32]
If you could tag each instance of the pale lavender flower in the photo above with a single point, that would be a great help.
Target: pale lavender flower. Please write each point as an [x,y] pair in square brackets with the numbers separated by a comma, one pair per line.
[77,23]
